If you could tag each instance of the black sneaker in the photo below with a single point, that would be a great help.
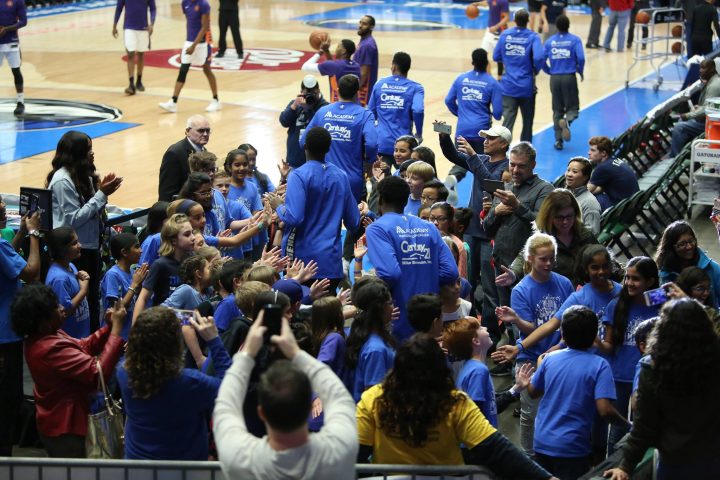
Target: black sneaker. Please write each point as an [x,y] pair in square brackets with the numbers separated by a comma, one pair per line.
[130,90]
[219,54]
[19,108]
[502,370]
[140,87]
[559,145]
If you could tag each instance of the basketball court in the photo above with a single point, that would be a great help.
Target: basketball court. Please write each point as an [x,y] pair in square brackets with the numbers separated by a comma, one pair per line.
[75,74]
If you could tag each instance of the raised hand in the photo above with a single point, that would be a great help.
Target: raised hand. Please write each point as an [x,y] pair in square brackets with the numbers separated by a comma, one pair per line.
[505,279]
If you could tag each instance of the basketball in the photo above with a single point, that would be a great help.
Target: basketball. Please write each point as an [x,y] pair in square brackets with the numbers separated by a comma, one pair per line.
[677,31]
[317,38]
[472,11]
[642,17]
[676,48]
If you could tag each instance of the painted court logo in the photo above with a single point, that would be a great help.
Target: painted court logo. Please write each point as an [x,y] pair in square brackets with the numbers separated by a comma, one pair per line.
[272,59]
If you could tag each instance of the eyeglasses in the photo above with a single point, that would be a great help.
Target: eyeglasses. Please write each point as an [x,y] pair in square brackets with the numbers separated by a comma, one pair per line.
[438,219]
[686,243]
[700,289]
[203,131]
[562,218]
[425,198]
[204,194]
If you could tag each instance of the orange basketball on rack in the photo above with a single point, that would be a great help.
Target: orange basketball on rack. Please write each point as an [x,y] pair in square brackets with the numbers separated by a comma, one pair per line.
[676,48]
[642,17]
[472,11]
[677,31]
[317,38]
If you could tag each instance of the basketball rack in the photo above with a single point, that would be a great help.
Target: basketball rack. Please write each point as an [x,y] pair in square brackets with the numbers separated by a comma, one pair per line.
[658,44]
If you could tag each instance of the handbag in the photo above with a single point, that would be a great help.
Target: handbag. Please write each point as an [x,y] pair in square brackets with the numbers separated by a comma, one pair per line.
[106,429]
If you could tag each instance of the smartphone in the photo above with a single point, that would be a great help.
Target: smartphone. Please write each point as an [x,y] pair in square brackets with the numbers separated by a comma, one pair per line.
[29,204]
[490,186]
[656,296]
[205,309]
[442,128]
[272,319]
[184,315]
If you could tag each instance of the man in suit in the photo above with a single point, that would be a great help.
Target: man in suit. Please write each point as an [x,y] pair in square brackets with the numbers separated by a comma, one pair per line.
[175,169]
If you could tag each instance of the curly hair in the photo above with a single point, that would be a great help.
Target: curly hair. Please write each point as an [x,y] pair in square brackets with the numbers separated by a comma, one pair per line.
[72,153]
[684,348]
[647,269]
[665,256]
[370,297]
[32,308]
[189,267]
[154,351]
[418,392]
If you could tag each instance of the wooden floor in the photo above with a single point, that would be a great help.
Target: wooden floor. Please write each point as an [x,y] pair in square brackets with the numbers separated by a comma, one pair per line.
[74,57]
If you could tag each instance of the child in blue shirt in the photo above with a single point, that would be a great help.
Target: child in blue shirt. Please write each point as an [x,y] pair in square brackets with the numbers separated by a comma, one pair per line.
[242,190]
[229,279]
[574,383]
[70,285]
[621,317]
[238,214]
[418,174]
[534,301]
[370,347]
[120,283]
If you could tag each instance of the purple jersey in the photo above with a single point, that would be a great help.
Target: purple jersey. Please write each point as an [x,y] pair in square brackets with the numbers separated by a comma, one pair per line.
[367,54]
[336,69]
[194,10]
[12,14]
[496,8]
[136,17]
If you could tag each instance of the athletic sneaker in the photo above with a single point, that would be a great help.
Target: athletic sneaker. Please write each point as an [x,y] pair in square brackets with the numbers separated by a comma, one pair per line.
[559,145]
[140,87]
[563,124]
[219,54]
[19,108]
[168,106]
[130,90]
[214,106]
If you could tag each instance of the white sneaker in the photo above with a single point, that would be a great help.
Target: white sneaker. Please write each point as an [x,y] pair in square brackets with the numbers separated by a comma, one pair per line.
[168,106]
[214,106]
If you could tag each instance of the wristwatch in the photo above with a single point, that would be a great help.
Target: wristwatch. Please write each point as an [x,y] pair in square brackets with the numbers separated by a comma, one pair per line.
[34,233]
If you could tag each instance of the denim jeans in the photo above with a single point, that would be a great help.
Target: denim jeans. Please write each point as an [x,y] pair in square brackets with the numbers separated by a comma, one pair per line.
[621,20]
[528,412]
[685,132]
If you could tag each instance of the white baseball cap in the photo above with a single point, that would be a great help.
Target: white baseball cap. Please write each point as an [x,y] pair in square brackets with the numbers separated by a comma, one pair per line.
[310,81]
[497,131]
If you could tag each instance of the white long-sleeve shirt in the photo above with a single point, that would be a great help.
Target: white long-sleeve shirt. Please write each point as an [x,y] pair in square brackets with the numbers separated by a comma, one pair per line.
[329,454]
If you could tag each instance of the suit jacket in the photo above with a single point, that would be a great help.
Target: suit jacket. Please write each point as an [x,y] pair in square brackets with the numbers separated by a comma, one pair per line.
[174,169]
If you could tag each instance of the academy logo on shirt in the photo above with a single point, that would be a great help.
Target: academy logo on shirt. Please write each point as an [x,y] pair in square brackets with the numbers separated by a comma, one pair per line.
[546,308]
[411,232]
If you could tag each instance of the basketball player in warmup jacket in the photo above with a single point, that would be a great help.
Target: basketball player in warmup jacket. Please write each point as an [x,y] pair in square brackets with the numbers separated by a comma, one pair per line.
[197,50]
[13,16]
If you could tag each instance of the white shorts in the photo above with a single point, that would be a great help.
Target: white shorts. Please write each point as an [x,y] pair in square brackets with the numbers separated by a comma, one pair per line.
[137,40]
[198,57]
[488,43]
[11,51]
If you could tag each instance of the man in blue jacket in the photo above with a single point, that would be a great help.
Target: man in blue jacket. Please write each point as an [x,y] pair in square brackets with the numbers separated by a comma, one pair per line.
[317,201]
[520,50]
[566,56]
[397,102]
[354,138]
[407,252]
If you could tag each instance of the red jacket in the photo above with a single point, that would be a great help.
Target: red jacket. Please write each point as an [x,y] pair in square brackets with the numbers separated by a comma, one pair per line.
[65,373]
[621,5]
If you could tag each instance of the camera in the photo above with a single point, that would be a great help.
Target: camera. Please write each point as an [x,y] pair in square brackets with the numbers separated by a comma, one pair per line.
[310,98]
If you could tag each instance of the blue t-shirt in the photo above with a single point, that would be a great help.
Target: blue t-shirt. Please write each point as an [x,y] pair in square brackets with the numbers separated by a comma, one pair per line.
[238,211]
[521,51]
[354,140]
[474,379]
[194,10]
[332,354]
[413,206]
[113,287]
[172,424]
[397,102]
[571,381]
[537,303]
[262,191]
[11,264]
[410,257]
[473,97]
[185,297]
[249,196]
[313,233]
[616,178]
[645,360]
[565,53]
[225,312]
[220,209]
[212,226]
[65,285]
[626,356]
[150,248]
[374,361]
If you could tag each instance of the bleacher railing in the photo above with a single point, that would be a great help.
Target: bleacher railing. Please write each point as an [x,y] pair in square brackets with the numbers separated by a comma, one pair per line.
[25,468]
